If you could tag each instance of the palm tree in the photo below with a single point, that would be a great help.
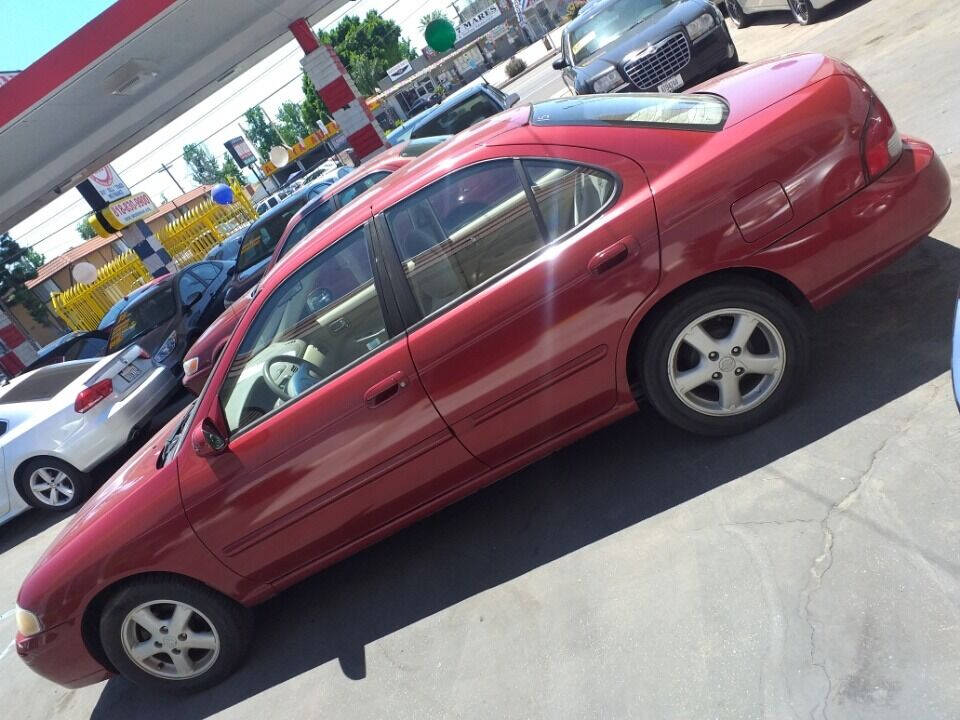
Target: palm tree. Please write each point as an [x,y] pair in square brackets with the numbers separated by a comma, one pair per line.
[430,17]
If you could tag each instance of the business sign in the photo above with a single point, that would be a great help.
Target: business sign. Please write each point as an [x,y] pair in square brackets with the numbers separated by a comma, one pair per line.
[478,21]
[240,151]
[127,211]
[108,184]
[399,70]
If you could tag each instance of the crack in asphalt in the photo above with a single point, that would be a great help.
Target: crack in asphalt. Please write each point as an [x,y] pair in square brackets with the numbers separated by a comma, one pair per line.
[825,559]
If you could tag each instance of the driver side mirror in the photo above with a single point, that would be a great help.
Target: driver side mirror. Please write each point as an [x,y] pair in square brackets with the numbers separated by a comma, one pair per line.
[512,99]
[560,63]
[207,440]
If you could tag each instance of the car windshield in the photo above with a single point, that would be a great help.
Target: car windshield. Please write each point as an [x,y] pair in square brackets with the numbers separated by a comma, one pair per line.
[142,317]
[460,117]
[262,237]
[598,30]
[113,313]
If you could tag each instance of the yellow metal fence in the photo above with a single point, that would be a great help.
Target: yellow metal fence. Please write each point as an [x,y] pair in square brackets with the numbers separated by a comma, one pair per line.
[187,239]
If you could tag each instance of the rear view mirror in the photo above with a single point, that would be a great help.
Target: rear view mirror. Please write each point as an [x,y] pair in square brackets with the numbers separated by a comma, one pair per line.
[207,440]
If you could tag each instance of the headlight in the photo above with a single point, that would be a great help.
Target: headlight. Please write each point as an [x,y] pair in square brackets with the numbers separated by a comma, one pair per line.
[701,25]
[191,365]
[610,80]
[166,349]
[27,623]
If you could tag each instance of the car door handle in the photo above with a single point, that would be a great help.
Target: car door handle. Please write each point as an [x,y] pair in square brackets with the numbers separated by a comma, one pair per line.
[608,258]
[385,390]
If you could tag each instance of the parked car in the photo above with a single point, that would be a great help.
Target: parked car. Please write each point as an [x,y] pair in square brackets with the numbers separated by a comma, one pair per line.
[644,45]
[72,346]
[508,294]
[58,422]
[200,357]
[804,11]
[460,110]
[166,318]
[262,235]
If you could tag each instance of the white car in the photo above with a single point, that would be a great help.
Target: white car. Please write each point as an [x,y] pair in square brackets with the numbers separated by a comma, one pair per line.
[58,422]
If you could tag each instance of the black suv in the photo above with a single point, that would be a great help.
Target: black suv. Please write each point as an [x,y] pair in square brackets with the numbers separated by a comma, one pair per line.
[644,45]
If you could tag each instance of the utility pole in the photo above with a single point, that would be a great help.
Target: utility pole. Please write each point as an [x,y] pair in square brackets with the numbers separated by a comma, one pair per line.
[175,182]
[457,11]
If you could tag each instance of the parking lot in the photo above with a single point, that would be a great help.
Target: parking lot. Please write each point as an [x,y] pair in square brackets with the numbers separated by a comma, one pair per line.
[810,568]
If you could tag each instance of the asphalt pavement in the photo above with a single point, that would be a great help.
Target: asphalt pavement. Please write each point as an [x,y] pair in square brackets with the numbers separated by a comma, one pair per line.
[808,569]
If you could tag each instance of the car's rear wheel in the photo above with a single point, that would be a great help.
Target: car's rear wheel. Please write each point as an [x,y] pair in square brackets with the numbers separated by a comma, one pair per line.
[725,359]
[52,484]
[174,635]
[736,14]
[803,11]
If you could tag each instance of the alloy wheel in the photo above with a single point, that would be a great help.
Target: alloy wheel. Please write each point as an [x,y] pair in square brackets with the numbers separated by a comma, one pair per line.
[727,362]
[801,10]
[52,486]
[170,639]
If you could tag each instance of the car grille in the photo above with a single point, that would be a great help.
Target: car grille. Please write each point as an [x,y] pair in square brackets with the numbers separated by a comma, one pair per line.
[670,57]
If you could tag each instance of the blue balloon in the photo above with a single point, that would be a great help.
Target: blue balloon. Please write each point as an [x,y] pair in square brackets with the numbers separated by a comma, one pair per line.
[222,194]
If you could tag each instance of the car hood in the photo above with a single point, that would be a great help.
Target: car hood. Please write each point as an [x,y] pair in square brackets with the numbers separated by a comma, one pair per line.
[108,522]
[651,31]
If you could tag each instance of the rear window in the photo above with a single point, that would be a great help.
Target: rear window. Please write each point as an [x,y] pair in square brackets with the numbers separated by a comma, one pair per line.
[684,112]
[459,118]
[46,382]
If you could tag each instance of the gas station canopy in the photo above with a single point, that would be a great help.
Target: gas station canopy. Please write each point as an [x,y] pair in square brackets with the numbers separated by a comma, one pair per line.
[120,78]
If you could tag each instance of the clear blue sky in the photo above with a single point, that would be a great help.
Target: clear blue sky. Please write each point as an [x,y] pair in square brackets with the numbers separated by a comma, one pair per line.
[29,28]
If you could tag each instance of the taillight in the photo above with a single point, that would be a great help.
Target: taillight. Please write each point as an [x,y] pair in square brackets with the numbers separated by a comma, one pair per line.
[881,141]
[90,396]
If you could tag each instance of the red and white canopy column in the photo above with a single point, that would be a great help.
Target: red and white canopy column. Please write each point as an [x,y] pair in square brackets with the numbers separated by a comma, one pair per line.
[335,87]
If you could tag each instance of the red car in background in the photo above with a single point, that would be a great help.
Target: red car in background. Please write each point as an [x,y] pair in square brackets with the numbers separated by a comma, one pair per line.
[200,357]
[519,289]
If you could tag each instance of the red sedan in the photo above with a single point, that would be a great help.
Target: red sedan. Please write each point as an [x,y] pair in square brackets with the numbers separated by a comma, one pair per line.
[516,291]
[200,357]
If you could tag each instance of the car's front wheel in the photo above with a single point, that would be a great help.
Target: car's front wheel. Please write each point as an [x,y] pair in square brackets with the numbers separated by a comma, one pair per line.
[803,11]
[736,14]
[52,484]
[725,358]
[174,635]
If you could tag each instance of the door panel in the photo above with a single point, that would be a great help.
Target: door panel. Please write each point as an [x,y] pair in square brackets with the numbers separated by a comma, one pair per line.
[531,354]
[325,471]
[333,433]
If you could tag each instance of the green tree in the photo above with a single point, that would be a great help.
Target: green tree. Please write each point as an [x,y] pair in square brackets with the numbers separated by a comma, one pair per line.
[231,171]
[17,266]
[313,111]
[430,17]
[203,165]
[368,47]
[261,132]
[573,9]
[85,230]
[290,123]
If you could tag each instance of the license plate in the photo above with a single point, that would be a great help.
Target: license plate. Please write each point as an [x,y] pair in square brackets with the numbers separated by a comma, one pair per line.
[671,84]
[130,373]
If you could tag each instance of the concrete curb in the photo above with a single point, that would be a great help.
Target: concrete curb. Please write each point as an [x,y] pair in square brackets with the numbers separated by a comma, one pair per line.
[530,68]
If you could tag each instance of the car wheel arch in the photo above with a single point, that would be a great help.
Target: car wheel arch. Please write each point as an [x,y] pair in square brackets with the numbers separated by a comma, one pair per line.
[90,619]
[19,476]
[632,339]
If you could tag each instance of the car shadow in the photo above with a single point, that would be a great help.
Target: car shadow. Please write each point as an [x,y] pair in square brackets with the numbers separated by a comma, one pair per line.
[884,340]
[784,17]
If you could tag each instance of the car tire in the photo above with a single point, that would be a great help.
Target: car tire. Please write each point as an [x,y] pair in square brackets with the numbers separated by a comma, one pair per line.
[736,14]
[803,11]
[47,483]
[745,382]
[199,636]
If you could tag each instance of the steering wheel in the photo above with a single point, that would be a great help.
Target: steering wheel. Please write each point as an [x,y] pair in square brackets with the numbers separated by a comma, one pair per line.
[306,375]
